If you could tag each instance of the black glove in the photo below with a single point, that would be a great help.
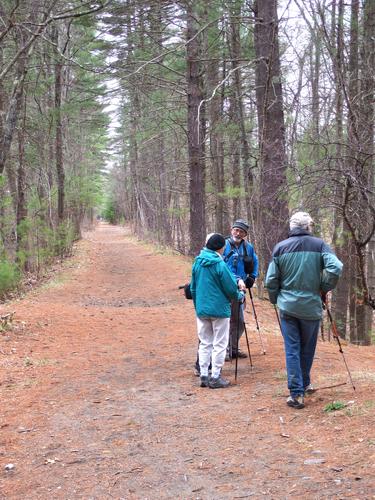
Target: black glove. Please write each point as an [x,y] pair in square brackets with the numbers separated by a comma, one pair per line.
[249,282]
[323,296]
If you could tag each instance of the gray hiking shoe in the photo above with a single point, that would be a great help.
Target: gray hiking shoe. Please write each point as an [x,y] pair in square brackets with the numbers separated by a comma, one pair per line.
[296,402]
[218,383]
[310,389]
[204,381]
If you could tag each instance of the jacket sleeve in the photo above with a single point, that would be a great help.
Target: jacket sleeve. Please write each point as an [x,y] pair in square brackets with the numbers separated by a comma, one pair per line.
[332,269]
[251,252]
[272,281]
[229,283]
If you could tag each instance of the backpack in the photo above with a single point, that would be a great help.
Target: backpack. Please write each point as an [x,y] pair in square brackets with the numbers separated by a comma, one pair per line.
[247,259]
[187,291]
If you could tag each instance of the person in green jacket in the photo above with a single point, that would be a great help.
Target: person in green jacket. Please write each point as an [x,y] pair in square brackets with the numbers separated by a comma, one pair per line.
[213,286]
[303,269]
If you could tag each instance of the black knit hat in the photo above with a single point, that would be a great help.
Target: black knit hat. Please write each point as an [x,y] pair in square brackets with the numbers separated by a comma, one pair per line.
[241,224]
[215,241]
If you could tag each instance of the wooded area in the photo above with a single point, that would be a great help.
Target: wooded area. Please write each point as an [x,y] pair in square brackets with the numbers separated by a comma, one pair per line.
[225,109]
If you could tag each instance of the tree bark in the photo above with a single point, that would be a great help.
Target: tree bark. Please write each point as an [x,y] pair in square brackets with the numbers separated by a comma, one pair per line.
[365,126]
[272,209]
[59,132]
[164,224]
[21,175]
[215,73]
[195,134]
[340,300]
[234,109]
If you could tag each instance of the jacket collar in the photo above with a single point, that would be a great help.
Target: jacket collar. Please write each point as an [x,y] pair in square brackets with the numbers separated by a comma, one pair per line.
[299,232]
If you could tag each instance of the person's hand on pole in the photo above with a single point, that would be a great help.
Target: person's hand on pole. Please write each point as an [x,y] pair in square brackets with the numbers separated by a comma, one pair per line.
[241,285]
[323,296]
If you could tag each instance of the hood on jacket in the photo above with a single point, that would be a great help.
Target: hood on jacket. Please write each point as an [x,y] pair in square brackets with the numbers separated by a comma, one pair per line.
[208,257]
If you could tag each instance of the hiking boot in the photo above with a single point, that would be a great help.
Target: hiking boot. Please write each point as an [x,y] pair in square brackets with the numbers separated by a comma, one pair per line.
[310,389]
[239,354]
[218,383]
[204,381]
[295,402]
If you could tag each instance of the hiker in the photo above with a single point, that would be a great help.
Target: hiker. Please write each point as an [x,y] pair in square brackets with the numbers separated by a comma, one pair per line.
[242,260]
[303,269]
[213,286]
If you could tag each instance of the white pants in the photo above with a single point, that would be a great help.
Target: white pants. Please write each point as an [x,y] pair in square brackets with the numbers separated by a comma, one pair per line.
[213,335]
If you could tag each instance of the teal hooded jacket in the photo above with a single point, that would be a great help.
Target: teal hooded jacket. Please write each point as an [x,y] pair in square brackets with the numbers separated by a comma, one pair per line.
[212,286]
[302,266]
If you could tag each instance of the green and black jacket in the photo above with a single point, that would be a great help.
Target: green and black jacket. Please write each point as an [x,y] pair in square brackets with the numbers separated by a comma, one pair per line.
[302,266]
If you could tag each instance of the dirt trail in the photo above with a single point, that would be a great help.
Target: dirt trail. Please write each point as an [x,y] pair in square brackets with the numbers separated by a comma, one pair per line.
[99,399]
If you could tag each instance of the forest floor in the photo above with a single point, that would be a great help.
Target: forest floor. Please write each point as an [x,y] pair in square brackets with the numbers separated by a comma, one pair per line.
[99,399]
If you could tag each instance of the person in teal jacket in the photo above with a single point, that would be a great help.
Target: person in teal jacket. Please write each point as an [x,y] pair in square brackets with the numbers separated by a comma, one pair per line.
[213,286]
[303,269]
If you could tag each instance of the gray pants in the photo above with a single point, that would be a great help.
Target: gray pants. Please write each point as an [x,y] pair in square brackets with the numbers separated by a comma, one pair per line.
[237,326]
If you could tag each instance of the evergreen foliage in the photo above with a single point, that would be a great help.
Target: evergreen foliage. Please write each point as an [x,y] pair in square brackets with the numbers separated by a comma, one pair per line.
[32,187]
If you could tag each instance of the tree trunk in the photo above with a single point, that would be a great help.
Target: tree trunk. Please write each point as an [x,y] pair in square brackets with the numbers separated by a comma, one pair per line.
[272,206]
[164,219]
[21,174]
[340,299]
[21,213]
[214,109]
[195,135]
[234,109]
[316,71]
[364,313]
[10,122]
[352,158]
[59,132]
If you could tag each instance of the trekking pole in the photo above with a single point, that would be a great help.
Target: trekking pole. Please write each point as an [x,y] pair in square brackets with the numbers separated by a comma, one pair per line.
[256,320]
[336,335]
[248,345]
[237,339]
[278,318]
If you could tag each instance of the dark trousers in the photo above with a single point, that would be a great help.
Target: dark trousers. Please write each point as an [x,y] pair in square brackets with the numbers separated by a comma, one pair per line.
[237,326]
[300,338]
